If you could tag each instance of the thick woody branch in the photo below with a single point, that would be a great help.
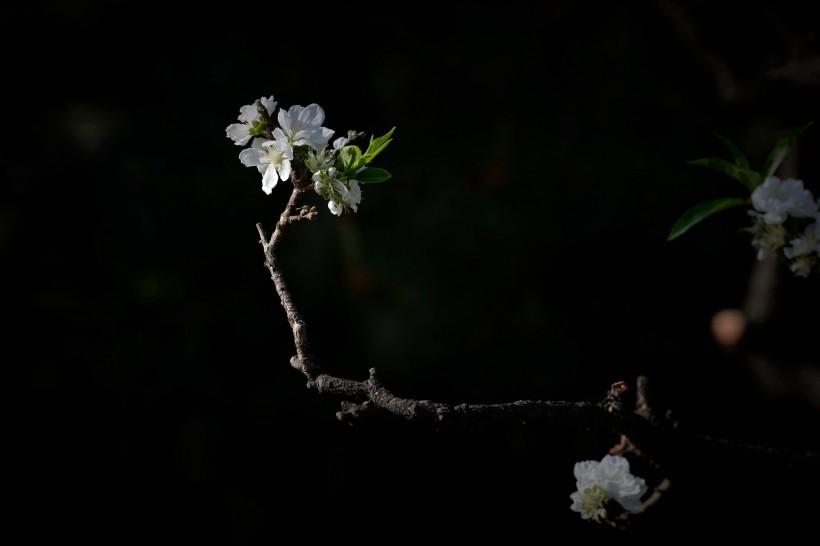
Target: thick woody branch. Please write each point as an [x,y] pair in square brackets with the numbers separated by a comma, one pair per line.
[370,397]
[625,411]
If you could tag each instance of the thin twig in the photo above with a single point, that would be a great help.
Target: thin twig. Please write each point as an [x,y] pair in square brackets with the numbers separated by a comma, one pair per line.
[297,324]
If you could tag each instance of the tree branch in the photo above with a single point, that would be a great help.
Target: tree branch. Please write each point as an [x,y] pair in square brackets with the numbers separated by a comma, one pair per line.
[297,324]
[624,411]
[370,397]
[636,421]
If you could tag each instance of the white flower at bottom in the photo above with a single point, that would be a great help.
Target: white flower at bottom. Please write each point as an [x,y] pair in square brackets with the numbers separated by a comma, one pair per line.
[604,480]
[590,502]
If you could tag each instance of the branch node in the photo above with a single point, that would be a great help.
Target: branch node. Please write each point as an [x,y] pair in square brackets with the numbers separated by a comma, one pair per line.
[612,403]
[372,381]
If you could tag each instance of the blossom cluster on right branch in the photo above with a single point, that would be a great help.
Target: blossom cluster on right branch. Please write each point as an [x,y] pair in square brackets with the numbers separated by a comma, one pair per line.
[786,215]
[786,220]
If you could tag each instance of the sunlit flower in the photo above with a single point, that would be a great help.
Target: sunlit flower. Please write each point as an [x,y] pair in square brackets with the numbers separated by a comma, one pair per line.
[601,481]
[251,123]
[302,125]
[271,157]
[777,199]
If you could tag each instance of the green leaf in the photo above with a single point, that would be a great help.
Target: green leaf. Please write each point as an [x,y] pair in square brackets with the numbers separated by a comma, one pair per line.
[740,158]
[350,157]
[749,178]
[702,211]
[372,175]
[376,146]
[784,143]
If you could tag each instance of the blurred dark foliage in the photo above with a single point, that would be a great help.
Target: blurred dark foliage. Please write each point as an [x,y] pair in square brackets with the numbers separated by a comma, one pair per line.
[518,252]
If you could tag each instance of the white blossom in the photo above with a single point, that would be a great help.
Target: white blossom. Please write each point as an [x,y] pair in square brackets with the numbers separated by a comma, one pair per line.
[354,197]
[319,160]
[802,265]
[590,502]
[302,125]
[807,243]
[601,481]
[250,121]
[804,250]
[777,199]
[767,237]
[271,157]
[341,194]
[335,208]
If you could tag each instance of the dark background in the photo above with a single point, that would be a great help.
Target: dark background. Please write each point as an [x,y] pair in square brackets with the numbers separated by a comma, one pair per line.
[518,252]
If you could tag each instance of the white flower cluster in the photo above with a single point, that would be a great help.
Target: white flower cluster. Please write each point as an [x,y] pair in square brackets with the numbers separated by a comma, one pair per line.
[601,481]
[787,219]
[299,135]
[341,192]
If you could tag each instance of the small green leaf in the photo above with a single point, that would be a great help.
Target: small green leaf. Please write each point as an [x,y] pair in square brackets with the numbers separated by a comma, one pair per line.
[740,158]
[372,175]
[749,178]
[702,211]
[350,157]
[376,146]
[784,143]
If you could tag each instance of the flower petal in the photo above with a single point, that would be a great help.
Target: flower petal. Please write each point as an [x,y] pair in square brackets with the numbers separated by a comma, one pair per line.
[335,208]
[269,104]
[251,157]
[269,179]
[239,133]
